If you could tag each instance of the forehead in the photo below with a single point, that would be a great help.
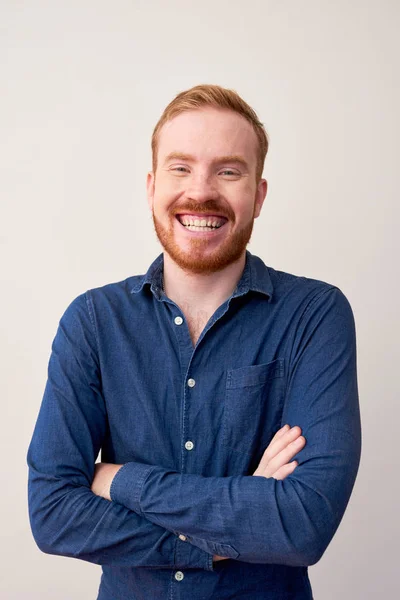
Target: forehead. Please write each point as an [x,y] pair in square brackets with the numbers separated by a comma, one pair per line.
[208,132]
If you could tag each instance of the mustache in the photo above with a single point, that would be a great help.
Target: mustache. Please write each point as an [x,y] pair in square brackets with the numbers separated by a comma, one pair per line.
[204,208]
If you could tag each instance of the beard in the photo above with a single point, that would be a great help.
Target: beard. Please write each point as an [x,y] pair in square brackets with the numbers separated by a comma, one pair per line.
[198,258]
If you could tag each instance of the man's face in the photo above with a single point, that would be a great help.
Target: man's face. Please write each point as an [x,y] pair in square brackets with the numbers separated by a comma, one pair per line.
[204,196]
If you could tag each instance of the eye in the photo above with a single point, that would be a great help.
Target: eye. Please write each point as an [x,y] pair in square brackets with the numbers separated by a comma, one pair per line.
[230,173]
[179,169]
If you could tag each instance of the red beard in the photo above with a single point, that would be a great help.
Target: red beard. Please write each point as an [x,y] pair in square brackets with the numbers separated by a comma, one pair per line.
[198,259]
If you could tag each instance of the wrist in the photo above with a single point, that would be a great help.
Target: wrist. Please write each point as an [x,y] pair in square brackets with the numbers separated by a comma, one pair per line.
[103,477]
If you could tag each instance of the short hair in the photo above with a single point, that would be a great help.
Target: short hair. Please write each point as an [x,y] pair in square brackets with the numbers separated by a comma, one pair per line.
[218,97]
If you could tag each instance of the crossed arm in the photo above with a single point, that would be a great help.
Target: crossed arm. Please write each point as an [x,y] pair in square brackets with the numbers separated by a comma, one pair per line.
[275,462]
[255,519]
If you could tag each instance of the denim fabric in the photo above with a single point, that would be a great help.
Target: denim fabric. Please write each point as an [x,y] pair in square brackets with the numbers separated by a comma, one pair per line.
[124,377]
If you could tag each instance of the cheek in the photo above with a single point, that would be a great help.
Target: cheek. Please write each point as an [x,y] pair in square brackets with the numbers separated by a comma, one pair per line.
[166,191]
[244,202]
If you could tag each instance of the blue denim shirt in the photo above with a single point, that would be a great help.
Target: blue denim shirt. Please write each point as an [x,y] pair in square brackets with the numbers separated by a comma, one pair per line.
[190,425]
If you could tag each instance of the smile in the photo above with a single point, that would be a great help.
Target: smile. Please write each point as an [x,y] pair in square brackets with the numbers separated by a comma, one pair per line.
[201,222]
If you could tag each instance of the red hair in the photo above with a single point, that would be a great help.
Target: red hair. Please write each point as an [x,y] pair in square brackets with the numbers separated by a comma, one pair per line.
[218,97]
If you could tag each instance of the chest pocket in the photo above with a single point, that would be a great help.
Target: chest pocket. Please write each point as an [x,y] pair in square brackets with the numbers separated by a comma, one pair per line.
[253,406]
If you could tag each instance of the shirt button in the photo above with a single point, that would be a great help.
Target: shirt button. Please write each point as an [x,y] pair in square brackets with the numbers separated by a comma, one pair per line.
[189,445]
[191,382]
[178,320]
[179,575]
[182,537]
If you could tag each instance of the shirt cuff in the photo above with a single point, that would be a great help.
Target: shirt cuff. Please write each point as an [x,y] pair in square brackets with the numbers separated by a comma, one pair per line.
[126,489]
[191,557]
[127,484]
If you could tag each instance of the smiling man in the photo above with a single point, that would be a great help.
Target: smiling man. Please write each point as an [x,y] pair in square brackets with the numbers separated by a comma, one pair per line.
[196,381]
[204,192]
[209,192]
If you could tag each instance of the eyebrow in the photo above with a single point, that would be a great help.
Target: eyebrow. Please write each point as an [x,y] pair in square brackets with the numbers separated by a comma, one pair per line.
[229,158]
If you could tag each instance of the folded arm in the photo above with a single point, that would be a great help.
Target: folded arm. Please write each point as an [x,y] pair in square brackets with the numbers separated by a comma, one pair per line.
[66,517]
[261,520]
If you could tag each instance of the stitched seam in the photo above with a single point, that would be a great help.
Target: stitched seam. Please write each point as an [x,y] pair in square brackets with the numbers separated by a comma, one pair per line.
[140,486]
[307,308]
[313,300]
[89,304]
[114,479]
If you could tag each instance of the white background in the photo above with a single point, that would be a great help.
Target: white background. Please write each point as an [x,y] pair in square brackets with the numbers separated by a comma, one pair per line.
[83,83]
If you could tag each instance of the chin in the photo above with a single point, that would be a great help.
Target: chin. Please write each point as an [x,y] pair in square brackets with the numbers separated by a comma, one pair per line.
[195,258]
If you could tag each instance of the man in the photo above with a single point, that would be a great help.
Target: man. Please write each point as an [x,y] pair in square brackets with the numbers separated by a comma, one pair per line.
[196,381]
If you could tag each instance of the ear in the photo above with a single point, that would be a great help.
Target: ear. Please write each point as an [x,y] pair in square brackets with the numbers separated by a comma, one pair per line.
[150,182]
[260,196]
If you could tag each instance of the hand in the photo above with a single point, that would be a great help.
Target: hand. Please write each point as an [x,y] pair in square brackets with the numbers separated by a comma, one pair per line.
[285,444]
[104,473]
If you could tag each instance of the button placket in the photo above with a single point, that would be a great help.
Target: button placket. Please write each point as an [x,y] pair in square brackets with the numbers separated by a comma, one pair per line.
[189,445]
[189,402]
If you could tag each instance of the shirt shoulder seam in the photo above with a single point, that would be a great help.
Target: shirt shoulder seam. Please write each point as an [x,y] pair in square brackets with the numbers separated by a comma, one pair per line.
[89,305]
[315,298]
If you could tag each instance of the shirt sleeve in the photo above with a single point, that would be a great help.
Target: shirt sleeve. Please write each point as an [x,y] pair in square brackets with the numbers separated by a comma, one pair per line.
[66,517]
[260,520]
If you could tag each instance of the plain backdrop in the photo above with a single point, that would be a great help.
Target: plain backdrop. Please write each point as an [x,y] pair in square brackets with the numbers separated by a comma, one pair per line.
[83,82]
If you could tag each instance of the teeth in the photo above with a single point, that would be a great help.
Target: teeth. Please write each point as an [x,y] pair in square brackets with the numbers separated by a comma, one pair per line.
[200,228]
[190,222]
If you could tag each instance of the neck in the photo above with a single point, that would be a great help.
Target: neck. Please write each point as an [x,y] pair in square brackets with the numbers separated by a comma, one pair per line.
[201,291]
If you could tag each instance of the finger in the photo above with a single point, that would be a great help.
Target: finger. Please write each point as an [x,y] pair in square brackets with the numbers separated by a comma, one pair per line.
[268,467]
[284,471]
[280,433]
[275,447]
[286,455]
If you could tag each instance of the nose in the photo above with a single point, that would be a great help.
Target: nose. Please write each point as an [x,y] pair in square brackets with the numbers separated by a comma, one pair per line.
[201,188]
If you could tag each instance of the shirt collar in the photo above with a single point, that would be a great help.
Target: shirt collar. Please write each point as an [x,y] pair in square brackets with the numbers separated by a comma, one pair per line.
[255,277]
[152,278]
